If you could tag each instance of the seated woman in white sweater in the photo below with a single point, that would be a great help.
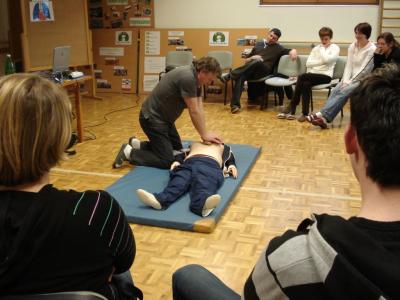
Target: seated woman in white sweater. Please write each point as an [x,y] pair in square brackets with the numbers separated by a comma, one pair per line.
[359,63]
[320,65]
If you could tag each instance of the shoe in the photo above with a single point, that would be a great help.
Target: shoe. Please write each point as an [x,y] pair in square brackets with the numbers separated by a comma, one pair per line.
[148,199]
[120,158]
[134,142]
[290,117]
[302,118]
[281,116]
[311,117]
[235,109]
[321,122]
[210,204]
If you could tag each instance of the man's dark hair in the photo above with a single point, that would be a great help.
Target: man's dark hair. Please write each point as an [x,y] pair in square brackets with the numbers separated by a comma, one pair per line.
[325,31]
[364,28]
[208,64]
[375,116]
[277,32]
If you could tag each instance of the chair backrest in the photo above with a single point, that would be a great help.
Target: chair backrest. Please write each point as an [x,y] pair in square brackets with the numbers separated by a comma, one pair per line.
[303,63]
[288,67]
[176,59]
[57,296]
[225,58]
[339,67]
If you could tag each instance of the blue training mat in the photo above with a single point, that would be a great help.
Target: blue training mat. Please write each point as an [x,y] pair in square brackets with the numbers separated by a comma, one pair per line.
[178,215]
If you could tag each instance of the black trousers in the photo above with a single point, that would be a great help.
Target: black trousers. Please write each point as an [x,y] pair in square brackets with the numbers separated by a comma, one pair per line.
[158,151]
[251,70]
[303,88]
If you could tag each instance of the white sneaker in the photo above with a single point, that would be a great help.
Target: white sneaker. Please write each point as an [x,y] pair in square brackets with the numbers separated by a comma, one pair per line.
[210,204]
[148,199]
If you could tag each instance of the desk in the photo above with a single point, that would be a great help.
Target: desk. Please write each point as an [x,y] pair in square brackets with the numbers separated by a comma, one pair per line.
[74,85]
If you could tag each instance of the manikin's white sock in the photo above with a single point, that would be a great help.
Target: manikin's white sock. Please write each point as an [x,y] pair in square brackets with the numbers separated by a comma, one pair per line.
[127,151]
[319,114]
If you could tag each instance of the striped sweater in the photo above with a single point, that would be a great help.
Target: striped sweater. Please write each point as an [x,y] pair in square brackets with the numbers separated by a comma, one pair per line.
[330,258]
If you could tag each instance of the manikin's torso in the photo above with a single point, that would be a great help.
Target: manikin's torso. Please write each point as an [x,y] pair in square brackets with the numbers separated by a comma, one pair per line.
[210,150]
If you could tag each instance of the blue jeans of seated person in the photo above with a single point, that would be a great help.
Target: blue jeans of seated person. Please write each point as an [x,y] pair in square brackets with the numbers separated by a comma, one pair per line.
[202,176]
[337,100]
[193,282]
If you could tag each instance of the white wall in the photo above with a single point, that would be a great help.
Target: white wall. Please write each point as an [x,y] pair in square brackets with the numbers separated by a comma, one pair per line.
[298,23]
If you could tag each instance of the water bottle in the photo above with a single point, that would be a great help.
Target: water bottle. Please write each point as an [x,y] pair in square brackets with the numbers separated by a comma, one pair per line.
[9,65]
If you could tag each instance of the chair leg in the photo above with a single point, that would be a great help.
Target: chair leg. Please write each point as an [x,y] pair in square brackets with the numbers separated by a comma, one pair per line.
[204,91]
[341,113]
[264,100]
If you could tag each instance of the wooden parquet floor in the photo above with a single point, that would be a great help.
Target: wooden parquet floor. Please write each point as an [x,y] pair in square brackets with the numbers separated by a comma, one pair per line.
[301,169]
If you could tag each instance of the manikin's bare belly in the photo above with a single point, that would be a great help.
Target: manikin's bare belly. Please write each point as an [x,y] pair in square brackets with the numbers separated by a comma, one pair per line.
[213,151]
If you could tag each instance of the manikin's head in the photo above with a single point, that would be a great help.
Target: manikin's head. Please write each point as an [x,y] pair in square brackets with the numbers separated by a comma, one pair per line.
[373,137]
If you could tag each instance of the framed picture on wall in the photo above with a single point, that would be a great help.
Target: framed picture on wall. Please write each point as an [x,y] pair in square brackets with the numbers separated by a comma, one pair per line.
[41,10]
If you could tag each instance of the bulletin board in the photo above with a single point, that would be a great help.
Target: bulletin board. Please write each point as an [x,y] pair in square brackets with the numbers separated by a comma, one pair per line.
[121,13]
[68,26]
[198,40]
[115,59]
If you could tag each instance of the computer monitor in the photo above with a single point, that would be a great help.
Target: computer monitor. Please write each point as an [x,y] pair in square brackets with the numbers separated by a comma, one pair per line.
[61,57]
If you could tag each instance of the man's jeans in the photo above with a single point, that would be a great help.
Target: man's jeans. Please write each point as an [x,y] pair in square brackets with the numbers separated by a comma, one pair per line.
[193,282]
[337,100]
[158,151]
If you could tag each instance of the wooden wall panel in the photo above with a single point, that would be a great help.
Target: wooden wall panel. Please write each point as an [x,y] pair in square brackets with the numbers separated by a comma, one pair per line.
[70,27]
[106,38]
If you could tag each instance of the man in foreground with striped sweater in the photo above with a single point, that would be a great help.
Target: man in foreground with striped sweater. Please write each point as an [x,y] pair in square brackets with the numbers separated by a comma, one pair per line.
[328,257]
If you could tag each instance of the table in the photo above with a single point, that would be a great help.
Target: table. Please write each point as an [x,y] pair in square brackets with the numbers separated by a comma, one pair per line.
[74,85]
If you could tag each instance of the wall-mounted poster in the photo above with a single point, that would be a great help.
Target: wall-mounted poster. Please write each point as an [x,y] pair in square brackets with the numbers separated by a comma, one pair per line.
[123,38]
[152,43]
[41,10]
[219,38]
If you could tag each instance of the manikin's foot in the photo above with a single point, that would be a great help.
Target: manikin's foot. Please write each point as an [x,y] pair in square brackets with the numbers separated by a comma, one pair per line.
[210,204]
[123,155]
[134,142]
[148,199]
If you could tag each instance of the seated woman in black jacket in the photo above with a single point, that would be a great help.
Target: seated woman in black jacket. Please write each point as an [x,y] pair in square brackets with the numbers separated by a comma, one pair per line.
[53,240]
[387,51]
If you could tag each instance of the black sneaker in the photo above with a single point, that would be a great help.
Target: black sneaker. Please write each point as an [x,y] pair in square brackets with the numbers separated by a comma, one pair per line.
[120,158]
[235,109]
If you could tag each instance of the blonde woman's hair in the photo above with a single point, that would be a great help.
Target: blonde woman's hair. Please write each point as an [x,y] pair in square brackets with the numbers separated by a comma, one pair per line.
[35,127]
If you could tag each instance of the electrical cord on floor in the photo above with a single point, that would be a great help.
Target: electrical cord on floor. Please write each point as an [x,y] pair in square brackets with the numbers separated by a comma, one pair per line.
[92,135]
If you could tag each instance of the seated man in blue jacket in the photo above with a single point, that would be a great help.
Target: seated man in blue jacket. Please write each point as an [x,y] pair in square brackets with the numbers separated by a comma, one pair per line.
[201,170]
